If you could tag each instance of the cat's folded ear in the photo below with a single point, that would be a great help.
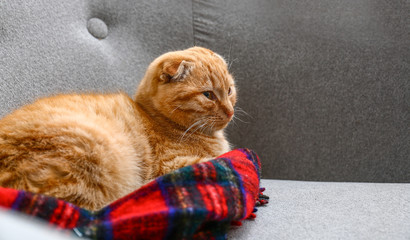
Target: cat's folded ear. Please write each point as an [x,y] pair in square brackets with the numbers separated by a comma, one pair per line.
[174,71]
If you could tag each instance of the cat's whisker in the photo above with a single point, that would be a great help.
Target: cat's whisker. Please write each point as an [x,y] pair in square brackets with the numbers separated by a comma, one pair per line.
[230,49]
[236,117]
[175,109]
[230,64]
[201,126]
[241,113]
[205,128]
[241,116]
[209,127]
[193,125]
[233,122]
[240,110]
[212,125]
[229,56]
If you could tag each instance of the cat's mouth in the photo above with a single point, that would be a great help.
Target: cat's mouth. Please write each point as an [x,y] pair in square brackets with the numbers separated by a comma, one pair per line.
[209,124]
[221,123]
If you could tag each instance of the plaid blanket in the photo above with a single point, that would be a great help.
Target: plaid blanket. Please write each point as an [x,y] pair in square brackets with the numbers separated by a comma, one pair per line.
[194,202]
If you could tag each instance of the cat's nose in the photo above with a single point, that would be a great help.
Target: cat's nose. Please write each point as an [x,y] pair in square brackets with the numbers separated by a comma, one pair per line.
[229,114]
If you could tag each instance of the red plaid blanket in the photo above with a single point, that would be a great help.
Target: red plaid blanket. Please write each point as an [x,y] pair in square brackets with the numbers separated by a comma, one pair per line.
[194,202]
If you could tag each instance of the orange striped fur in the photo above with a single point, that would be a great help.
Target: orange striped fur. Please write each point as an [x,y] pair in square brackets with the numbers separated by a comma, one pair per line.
[91,149]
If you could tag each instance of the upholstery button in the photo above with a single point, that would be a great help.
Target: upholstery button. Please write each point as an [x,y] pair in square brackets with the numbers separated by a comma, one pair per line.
[97,28]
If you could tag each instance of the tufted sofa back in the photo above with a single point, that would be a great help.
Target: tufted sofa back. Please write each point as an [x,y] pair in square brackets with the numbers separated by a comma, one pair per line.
[325,83]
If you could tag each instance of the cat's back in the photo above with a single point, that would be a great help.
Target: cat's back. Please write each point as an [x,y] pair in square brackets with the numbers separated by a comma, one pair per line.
[71,111]
[68,107]
[71,146]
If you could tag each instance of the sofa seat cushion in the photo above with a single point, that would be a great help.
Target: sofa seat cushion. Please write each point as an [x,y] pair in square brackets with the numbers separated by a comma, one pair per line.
[330,210]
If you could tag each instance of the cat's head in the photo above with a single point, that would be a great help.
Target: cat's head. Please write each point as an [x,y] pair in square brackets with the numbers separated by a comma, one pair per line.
[192,88]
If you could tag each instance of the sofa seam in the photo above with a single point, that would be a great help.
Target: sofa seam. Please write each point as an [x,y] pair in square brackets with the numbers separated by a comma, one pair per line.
[193,23]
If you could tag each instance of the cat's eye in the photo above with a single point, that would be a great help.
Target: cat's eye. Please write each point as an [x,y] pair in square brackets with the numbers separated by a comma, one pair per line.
[208,94]
[229,91]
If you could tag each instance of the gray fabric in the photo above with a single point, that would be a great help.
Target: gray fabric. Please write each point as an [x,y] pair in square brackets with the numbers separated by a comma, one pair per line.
[322,210]
[97,28]
[16,226]
[45,47]
[326,82]
[299,210]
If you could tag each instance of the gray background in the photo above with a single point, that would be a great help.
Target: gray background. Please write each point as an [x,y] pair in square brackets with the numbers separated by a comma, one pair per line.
[326,83]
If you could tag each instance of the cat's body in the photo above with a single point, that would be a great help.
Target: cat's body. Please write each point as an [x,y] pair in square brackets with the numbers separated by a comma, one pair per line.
[91,149]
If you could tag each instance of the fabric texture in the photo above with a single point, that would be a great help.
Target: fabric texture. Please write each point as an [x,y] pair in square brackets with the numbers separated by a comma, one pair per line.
[46,47]
[326,82]
[194,202]
[301,210]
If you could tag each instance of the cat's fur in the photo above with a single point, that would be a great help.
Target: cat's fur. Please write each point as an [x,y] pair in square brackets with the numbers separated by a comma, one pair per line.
[91,149]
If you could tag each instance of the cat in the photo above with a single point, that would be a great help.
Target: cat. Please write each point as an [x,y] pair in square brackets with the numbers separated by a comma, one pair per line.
[92,149]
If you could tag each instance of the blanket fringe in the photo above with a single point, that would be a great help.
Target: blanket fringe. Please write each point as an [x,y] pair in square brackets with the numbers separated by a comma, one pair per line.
[260,201]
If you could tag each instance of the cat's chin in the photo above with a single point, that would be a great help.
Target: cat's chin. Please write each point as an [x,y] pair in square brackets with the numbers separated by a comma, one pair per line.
[221,126]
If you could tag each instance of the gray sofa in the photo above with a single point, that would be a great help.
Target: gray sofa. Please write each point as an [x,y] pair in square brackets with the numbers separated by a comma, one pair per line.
[325,86]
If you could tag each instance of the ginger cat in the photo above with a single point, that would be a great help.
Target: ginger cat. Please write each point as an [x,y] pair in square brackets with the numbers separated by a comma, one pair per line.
[92,149]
